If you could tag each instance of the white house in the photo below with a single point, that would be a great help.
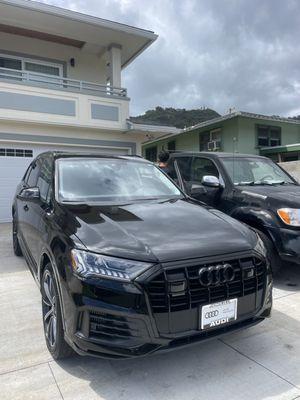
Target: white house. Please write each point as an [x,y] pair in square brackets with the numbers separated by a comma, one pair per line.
[61,87]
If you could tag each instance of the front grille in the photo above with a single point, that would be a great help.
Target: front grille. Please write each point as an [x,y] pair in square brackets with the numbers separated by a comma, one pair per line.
[196,294]
[107,326]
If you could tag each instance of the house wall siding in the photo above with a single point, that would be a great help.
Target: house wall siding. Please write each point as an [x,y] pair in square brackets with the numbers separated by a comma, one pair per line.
[88,67]
[61,107]
[238,135]
[14,132]
[290,133]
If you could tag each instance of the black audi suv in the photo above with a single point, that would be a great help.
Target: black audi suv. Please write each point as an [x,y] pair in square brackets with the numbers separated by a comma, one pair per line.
[127,264]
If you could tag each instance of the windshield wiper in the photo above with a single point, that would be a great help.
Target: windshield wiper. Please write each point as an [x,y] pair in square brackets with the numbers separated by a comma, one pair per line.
[286,183]
[262,183]
[245,183]
[255,183]
[279,183]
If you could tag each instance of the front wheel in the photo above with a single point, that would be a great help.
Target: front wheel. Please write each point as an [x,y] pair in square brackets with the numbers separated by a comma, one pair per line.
[272,254]
[52,317]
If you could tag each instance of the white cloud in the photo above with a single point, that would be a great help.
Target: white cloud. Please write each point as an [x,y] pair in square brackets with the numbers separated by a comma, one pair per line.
[216,53]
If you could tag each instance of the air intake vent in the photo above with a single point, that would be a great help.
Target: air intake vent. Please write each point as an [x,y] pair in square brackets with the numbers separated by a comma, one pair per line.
[106,326]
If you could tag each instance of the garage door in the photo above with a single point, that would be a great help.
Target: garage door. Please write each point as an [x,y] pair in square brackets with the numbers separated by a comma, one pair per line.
[14,160]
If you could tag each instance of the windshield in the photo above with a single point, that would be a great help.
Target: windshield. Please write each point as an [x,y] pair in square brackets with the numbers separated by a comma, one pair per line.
[111,180]
[255,171]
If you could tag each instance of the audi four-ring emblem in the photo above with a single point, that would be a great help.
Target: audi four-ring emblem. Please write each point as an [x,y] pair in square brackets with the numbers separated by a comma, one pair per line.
[211,314]
[216,274]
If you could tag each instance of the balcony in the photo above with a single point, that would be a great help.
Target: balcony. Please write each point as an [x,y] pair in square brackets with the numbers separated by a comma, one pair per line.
[40,98]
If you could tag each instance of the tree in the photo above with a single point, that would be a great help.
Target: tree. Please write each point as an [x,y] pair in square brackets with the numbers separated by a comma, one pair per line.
[179,117]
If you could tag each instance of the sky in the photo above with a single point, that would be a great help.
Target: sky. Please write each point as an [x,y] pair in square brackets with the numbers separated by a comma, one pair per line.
[215,53]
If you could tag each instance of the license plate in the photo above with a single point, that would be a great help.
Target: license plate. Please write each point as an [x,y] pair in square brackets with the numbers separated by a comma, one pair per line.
[216,314]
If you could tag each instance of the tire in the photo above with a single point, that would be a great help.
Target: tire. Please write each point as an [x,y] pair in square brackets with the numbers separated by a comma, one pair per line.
[272,254]
[52,317]
[16,244]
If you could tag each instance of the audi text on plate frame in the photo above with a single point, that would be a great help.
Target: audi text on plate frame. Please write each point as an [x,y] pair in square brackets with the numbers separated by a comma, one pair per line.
[216,314]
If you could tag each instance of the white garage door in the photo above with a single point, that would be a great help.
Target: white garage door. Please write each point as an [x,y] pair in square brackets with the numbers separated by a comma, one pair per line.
[14,160]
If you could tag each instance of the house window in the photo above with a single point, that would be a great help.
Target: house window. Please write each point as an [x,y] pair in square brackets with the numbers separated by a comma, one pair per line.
[10,65]
[42,68]
[268,136]
[151,153]
[16,153]
[210,140]
[172,145]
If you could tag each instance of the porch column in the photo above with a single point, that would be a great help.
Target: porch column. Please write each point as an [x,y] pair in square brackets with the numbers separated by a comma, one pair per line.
[114,70]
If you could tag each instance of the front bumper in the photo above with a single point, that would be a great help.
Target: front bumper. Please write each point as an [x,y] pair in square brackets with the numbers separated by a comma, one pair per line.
[127,322]
[287,243]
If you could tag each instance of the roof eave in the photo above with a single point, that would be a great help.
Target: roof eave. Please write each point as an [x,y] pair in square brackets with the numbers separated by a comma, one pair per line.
[79,17]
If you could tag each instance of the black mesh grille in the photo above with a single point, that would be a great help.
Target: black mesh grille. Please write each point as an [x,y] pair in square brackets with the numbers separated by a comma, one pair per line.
[195,294]
[106,326]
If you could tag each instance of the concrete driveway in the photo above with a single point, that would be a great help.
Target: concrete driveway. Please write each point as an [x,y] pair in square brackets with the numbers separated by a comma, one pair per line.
[262,362]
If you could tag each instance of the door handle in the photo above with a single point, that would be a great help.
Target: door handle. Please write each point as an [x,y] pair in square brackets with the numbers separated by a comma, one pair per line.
[26,208]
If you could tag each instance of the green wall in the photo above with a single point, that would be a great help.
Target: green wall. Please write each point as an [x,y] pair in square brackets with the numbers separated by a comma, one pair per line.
[241,128]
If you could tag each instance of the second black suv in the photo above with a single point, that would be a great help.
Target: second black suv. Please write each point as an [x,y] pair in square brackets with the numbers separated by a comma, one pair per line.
[127,263]
[250,188]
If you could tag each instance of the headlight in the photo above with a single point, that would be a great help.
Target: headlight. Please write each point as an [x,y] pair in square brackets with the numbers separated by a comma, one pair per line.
[290,216]
[91,265]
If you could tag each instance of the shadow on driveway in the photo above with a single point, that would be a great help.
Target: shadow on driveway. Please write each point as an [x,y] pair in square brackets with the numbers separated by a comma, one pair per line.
[232,368]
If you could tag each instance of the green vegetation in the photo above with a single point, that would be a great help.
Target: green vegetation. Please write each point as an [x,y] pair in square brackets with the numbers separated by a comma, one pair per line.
[179,117]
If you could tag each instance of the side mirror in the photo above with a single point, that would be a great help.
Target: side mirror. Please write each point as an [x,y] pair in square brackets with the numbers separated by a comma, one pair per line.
[197,190]
[32,193]
[210,181]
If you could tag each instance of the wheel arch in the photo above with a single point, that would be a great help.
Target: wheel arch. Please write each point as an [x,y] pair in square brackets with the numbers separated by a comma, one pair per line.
[259,219]
[46,258]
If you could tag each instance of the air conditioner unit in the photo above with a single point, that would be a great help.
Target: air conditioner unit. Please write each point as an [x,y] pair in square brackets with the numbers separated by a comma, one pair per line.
[214,145]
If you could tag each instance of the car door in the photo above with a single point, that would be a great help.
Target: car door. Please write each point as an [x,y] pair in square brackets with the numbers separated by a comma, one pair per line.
[25,209]
[180,172]
[41,207]
[19,204]
[200,168]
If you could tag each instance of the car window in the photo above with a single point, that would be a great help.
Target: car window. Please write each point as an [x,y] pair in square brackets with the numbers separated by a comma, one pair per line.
[171,170]
[254,171]
[110,180]
[184,165]
[33,174]
[45,177]
[26,175]
[202,167]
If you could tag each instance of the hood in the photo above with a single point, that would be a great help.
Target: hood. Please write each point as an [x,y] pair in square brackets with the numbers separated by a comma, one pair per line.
[158,231]
[283,195]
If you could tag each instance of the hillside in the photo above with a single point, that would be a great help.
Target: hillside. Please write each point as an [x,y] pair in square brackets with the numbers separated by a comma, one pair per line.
[179,117]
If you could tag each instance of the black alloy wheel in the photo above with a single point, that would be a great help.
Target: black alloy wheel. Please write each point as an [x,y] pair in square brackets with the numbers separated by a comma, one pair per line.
[52,317]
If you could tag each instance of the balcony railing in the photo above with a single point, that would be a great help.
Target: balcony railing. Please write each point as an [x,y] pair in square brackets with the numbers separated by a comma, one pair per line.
[60,83]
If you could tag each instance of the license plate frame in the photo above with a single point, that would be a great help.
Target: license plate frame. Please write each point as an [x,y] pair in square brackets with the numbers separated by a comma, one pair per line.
[218,314]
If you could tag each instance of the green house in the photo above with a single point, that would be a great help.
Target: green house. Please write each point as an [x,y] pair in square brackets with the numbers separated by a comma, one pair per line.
[238,132]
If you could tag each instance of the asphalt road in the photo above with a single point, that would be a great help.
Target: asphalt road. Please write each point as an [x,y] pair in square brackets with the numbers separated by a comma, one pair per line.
[262,362]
